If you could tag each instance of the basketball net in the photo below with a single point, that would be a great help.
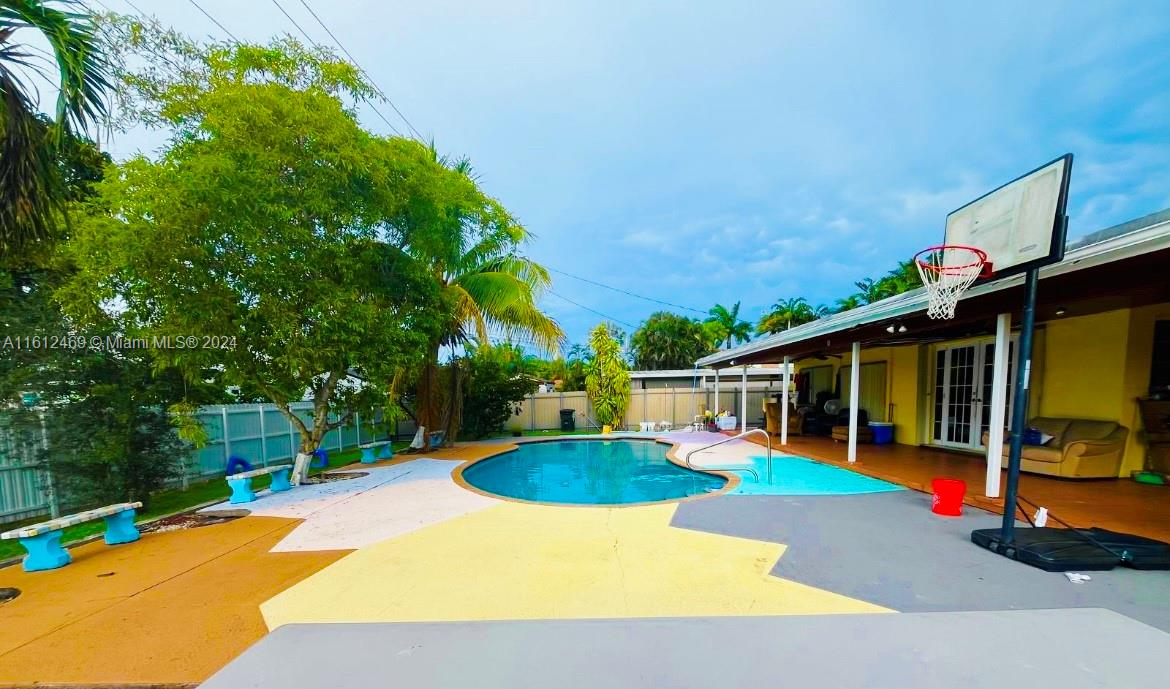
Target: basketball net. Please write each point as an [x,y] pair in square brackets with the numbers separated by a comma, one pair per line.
[947,271]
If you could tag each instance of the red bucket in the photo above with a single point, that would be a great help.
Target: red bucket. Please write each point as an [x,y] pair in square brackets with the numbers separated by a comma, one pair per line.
[948,496]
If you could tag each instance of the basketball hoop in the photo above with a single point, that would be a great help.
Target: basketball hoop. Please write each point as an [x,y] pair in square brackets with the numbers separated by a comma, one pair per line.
[947,271]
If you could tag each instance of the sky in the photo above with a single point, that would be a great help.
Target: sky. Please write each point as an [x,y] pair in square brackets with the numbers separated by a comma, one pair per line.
[703,153]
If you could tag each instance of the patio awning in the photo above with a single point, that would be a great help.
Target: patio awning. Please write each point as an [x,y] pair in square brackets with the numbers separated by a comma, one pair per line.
[1114,268]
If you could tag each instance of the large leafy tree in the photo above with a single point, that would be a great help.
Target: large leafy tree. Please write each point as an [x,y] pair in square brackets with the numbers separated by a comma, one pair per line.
[607,381]
[469,247]
[727,324]
[32,191]
[268,229]
[668,341]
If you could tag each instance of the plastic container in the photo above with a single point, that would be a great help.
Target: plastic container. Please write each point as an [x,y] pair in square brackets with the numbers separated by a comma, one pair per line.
[948,496]
[883,432]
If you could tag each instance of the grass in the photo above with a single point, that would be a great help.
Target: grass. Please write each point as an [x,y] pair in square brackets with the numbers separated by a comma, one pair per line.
[174,500]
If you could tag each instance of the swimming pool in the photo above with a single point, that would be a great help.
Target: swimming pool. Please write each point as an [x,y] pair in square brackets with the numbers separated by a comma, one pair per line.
[589,472]
[793,475]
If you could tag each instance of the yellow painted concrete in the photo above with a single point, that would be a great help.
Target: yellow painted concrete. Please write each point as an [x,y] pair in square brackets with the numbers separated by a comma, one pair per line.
[520,561]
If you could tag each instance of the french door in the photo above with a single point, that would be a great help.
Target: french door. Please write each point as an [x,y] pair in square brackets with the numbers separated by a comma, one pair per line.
[962,393]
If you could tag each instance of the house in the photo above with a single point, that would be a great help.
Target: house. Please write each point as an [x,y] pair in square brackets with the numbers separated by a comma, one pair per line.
[1102,341]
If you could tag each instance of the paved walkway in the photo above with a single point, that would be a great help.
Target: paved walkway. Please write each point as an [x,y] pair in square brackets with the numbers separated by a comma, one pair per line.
[1070,649]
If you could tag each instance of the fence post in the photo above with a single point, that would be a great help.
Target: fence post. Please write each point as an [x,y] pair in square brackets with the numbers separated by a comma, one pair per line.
[263,436]
[54,503]
[532,412]
[227,441]
[292,434]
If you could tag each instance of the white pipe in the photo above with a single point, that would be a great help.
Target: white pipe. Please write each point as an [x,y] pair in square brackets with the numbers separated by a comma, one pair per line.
[854,395]
[999,383]
[784,405]
[743,402]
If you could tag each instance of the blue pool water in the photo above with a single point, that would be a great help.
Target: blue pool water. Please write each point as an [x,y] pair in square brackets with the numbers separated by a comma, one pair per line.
[800,476]
[589,472]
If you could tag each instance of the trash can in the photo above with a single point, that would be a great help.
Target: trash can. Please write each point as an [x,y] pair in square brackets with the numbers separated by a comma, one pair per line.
[948,496]
[883,432]
[567,421]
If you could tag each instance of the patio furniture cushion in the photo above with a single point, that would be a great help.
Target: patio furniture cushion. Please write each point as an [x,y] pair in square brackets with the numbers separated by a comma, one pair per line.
[1053,427]
[1042,453]
[1080,429]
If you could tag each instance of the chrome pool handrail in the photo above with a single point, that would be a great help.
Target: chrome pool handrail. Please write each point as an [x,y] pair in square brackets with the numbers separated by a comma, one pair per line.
[767,444]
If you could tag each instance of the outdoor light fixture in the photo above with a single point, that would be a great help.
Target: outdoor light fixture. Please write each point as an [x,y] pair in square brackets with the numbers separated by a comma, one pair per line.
[1060,311]
[901,328]
[890,328]
[895,327]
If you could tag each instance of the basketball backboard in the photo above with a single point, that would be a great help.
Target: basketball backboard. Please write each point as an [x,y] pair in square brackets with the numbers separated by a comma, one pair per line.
[1021,225]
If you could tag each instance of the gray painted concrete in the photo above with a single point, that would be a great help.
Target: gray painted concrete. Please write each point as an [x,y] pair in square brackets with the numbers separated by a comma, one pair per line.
[889,549]
[1070,649]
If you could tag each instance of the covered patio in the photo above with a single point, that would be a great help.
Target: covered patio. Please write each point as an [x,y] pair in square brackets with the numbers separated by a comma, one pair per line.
[1097,313]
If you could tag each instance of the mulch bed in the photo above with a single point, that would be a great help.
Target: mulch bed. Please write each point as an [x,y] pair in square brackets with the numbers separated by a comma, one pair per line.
[330,477]
[189,520]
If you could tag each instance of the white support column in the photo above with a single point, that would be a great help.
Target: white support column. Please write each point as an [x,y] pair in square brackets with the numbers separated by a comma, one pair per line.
[715,410]
[999,387]
[743,402]
[854,399]
[263,436]
[784,404]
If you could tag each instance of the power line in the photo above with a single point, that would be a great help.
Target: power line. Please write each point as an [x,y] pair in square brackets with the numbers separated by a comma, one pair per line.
[627,292]
[352,59]
[582,306]
[205,14]
[314,43]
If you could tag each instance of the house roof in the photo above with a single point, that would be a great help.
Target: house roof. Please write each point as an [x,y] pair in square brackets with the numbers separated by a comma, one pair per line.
[753,371]
[1134,238]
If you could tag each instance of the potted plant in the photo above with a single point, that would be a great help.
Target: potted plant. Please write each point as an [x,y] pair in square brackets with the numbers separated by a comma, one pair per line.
[515,429]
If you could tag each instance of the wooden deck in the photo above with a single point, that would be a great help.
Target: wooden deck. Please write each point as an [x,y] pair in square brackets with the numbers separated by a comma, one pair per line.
[1118,504]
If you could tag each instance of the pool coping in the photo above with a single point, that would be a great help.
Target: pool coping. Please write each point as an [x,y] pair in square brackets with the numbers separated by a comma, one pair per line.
[732,478]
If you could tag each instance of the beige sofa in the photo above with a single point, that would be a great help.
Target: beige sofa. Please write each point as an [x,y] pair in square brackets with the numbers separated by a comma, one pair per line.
[1079,448]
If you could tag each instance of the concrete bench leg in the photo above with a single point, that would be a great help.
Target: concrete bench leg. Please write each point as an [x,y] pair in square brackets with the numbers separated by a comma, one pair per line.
[241,490]
[368,455]
[44,552]
[280,481]
[387,453]
[120,528]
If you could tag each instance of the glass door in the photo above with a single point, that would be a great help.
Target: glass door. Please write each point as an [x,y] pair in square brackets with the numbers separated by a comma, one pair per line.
[962,393]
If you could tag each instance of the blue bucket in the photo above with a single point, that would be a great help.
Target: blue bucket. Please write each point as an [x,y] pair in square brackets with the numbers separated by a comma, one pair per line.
[883,433]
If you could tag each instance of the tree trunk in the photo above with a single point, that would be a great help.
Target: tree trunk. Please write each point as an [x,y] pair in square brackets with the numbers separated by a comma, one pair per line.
[427,404]
[454,404]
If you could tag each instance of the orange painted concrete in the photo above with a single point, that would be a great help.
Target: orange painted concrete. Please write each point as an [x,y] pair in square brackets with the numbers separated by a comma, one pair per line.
[171,608]
[1118,504]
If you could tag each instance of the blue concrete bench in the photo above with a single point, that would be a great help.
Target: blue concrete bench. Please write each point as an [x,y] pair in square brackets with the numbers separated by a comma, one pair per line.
[241,483]
[370,452]
[43,541]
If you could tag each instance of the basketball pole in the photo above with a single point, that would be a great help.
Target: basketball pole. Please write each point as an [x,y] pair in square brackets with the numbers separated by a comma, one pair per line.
[1019,406]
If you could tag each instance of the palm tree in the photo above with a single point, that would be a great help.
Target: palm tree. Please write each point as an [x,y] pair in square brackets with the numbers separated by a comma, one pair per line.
[31,189]
[483,284]
[848,303]
[726,322]
[870,291]
[787,313]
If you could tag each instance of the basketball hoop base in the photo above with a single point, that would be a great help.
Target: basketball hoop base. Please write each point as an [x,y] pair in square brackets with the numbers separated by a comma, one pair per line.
[947,271]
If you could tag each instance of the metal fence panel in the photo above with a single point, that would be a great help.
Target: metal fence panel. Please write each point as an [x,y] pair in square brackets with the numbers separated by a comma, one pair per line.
[259,433]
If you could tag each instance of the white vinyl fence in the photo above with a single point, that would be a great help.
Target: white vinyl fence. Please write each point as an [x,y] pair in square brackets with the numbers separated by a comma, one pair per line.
[258,433]
[541,411]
